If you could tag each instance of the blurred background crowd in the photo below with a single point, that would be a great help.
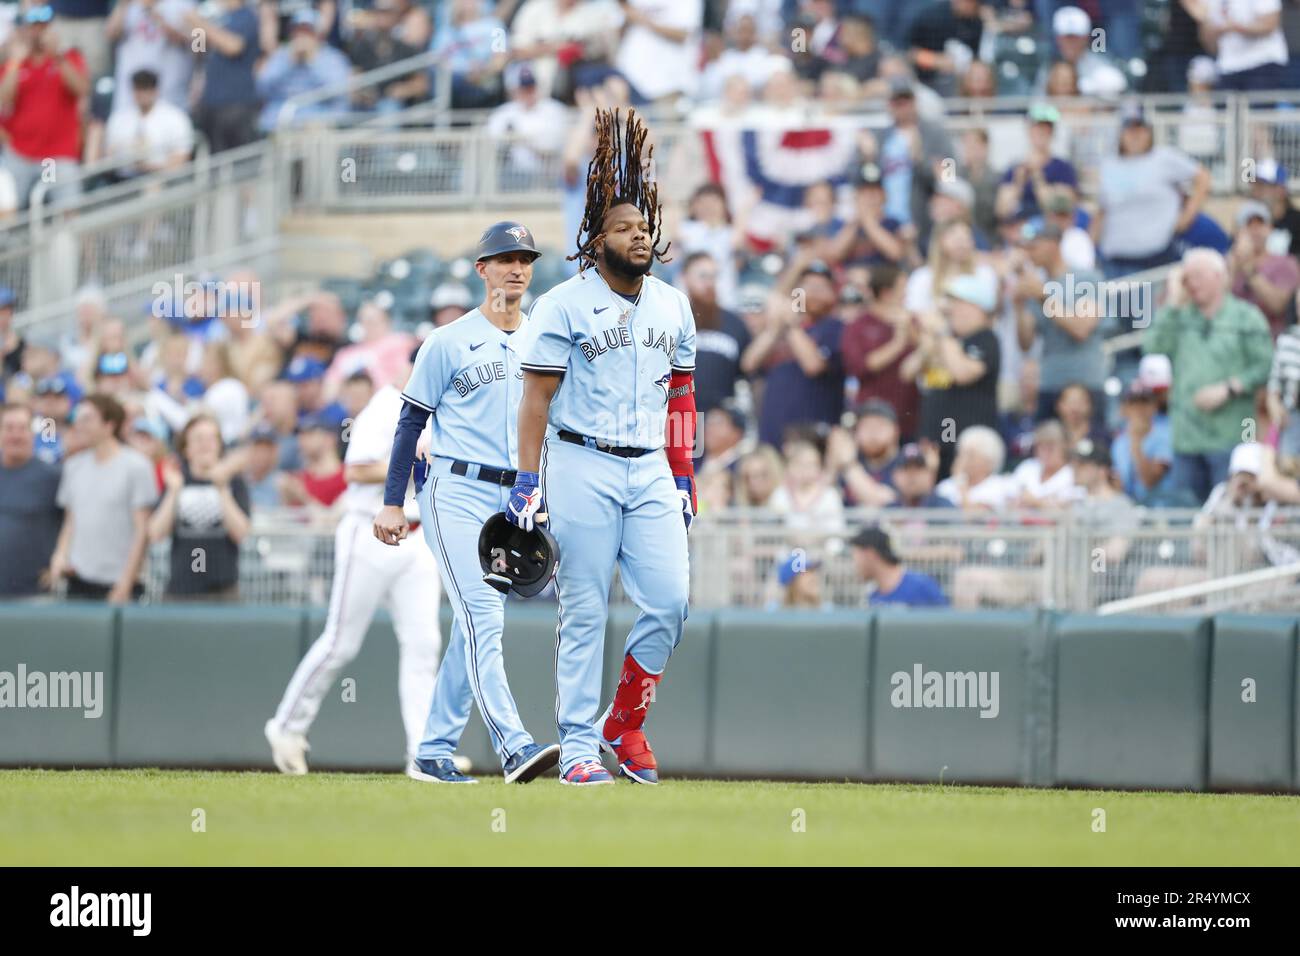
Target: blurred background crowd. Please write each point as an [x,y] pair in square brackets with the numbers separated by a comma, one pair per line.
[1073,332]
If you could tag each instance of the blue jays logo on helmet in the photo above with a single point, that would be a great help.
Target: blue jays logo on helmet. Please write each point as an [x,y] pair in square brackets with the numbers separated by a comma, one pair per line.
[519,232]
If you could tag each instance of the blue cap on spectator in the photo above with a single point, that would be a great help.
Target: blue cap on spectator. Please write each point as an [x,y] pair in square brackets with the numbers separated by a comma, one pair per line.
[151,427]
[912,454]
[43,13]
[304,369]
[974,289]
[1252,209]
[520,76]
[901,86]
[1040,228]
[1270,171]
[305,17]
[112,363]
[315,422]
[796,564]
[1133,114]
[878,408]
[817,267]
[54,385]
[263,433]
[7,297]
[753,297]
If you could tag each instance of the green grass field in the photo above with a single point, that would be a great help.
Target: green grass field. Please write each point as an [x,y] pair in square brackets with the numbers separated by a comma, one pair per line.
[140,817]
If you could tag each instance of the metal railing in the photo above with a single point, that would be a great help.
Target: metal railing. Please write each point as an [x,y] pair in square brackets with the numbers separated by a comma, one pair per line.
[372,168]
[144,226]
[1028,560]
[429,61]
[1275,586]
[283,266]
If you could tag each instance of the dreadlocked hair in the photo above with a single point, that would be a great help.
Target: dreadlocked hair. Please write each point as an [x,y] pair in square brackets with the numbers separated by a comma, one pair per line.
[617,175]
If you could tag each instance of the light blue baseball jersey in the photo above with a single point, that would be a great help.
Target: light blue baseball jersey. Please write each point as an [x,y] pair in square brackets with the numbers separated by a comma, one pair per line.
[467,374]
[617,358]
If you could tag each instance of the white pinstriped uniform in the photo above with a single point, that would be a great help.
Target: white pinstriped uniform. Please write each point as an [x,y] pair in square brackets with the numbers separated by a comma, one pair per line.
[368,573]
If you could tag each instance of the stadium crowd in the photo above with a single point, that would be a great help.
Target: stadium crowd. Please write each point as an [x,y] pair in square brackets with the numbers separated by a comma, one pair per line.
[923,330]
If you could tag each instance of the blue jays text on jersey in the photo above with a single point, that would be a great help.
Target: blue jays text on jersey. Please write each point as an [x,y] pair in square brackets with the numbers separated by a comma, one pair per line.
[617,358]
[468,374]
[621,338]
[485,374]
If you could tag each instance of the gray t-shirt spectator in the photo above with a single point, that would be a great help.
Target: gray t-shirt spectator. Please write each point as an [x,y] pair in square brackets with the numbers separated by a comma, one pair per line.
[102,497]
[1141,197]
[1065,359]
[29,525]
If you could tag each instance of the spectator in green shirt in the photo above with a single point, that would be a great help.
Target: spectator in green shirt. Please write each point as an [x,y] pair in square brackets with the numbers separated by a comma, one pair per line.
[1221,352]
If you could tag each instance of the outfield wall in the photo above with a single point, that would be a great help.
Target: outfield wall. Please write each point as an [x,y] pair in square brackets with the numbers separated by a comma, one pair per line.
[1186,703]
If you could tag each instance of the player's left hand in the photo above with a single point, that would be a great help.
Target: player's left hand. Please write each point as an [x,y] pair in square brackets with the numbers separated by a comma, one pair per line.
[686,490]
[391,525]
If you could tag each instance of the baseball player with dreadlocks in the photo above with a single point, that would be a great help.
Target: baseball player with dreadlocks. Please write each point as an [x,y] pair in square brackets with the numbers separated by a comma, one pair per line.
[606,428]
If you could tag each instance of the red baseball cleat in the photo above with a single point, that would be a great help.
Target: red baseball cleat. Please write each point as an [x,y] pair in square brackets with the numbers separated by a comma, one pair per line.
[636,760]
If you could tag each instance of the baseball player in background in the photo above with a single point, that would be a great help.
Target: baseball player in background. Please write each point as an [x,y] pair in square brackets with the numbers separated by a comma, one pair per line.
[467,376]
[366,574]
[606,429]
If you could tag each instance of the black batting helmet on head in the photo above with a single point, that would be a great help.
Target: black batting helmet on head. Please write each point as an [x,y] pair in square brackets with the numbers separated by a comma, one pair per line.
[504,237]
[517,560]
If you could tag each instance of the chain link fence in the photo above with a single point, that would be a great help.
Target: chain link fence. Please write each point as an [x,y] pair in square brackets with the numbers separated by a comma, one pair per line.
[1010,561]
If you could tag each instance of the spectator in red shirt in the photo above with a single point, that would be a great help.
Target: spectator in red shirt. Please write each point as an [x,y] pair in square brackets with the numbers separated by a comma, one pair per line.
[877,342]
[41,85]
[321,479]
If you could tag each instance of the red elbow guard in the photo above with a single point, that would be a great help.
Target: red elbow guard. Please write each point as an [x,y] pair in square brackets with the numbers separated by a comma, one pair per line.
[679,439]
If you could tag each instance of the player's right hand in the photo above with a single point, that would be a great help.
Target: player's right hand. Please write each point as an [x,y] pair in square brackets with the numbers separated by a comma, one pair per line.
[526,507]
[390,525]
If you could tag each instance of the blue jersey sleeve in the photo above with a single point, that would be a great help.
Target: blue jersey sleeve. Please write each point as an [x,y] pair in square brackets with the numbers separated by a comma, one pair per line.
[429,376]
[409,425]
[548,338]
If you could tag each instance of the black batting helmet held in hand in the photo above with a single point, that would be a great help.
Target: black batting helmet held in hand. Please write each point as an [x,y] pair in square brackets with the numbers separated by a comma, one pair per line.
[505,237]
[514,559]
